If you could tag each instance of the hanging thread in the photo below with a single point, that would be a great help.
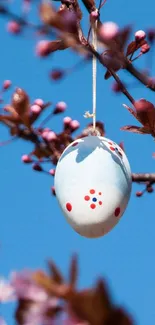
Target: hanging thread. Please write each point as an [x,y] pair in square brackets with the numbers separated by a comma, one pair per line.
[94,75]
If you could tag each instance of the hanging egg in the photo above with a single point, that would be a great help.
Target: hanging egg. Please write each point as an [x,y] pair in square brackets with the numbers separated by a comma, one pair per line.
[93,185]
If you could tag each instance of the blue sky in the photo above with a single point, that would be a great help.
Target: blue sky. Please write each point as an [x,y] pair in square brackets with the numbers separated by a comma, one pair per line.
[33,228]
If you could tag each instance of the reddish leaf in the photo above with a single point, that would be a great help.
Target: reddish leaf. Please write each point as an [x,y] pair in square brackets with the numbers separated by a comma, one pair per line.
[123,36]
[134,46]
[145,113]
[135,129]
[132,112]
[110,60]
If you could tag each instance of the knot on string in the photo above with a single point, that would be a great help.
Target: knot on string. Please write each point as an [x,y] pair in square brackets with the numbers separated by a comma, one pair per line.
[88,114]
[93,132]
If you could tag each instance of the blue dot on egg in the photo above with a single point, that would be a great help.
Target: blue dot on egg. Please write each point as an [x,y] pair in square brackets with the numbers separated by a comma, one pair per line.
[94,199]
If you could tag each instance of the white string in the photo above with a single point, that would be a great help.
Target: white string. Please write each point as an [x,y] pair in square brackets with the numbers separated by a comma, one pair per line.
[94,73]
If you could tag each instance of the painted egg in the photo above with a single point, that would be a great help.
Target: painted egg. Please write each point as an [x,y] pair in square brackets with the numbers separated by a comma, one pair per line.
[93,185]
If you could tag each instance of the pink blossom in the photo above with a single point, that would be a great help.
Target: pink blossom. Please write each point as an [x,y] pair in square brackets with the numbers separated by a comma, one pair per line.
[38,312]
[13,27]
[2,321]
[6,291]
[25,288]
[108,31]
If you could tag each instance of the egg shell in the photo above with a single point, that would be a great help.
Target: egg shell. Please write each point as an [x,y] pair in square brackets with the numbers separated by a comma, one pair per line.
[93,185]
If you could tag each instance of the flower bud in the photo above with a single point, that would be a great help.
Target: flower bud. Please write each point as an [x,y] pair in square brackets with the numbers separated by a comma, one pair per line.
[13,27]
[140,35]
[6,84]
[60,107]
[26,159]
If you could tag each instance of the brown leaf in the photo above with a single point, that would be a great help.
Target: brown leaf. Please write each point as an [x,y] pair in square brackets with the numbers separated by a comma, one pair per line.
[135,129]
[52,288]
[92,305]
[55,273]
[57,45]
[49,16]
[10,120]
[73,272]
[89,4]
[20,103]
[77,9]
[134,46]
[119,317]
[10,109]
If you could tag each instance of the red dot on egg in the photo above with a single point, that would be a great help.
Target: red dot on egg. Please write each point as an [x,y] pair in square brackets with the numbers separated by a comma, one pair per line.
[117,212]
[100,202]
[87,197]
[93,206]
[92,191]
[110,143]
[74,144]
[112,148]
[100,193]
[68,206]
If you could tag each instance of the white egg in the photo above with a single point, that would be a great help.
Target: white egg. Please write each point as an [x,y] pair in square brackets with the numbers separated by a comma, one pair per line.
[93,185]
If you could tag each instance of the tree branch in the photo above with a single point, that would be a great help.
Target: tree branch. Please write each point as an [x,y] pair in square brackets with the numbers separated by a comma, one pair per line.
[140,76]
[143,177]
